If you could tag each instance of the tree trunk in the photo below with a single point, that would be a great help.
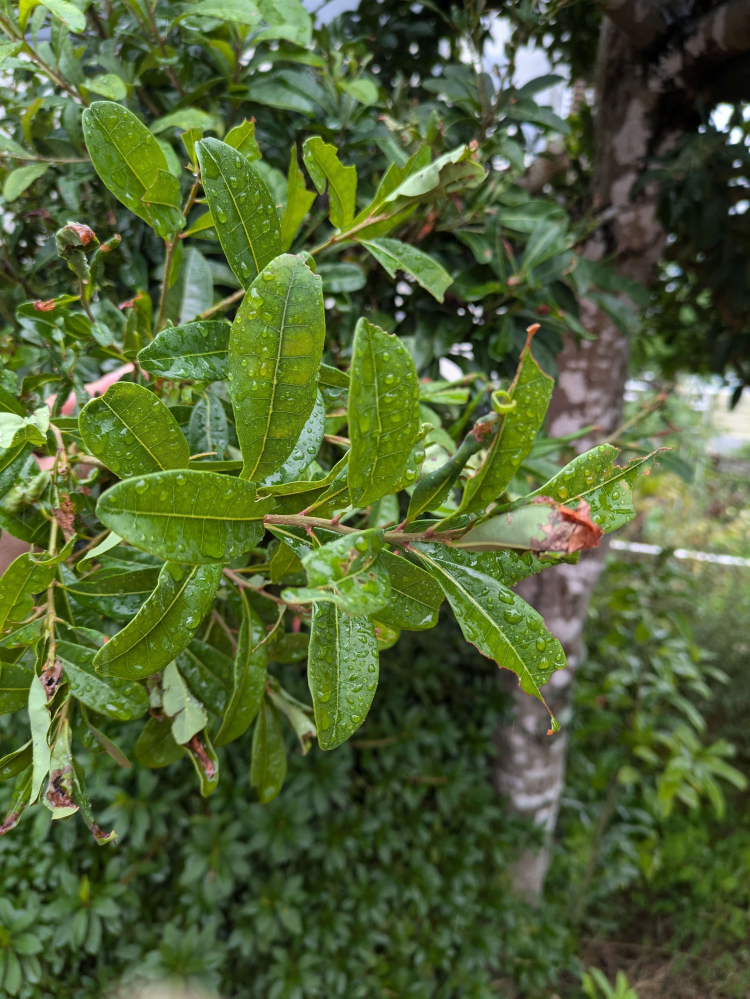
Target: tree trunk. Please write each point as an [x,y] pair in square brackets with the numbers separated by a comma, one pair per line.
[591,381]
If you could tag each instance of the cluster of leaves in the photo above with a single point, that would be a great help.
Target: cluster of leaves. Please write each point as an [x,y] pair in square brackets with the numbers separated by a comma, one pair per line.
[384,868]
[183,540]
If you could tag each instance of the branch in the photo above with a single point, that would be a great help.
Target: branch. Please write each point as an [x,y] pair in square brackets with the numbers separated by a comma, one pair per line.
[725,31]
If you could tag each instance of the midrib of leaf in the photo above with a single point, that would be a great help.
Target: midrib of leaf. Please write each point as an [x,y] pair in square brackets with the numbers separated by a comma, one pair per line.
[125,424]
[336,614]
[275,370]
[377,407]
[122,152]
[494,624]
[228,187]
[631,466]
[156,624]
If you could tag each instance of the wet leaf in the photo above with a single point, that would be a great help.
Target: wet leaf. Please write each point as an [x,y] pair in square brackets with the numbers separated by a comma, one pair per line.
[164,625]
[268,762]
[14,687]
[497,621]
[242,208]
[342,672]
[384,419]
[242,137]
[345,572]
[249,677]
[198,518]
[594,478]
[132,165]
[110,696]
[284,563]
[306,448]
[113,591]
[395,255]
[81,798]
[14,763]
[275,348]
[209,429]
[132,431]
[196,351]
[297,713]
[415,595]
[18,180]
[325,169]
[539,527]
[24,577]
[298,202]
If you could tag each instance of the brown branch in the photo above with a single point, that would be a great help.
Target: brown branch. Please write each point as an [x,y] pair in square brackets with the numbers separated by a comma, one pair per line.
[641,20]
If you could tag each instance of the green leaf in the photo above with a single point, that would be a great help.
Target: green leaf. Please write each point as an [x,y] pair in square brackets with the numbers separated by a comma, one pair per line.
[109,747]
[39,721]
[432,489]
[110,696]
[209,429]
[186,711]
[297,713]
[415,595]
[324,167]
[164,625]
[156,746]
[531,391]
[395,255]
[454,171]
[14,687]
[114,591]
[287,19]
[13,763]
[384,420]
[197,286]
[305,449]
[268,762]
[345,572]
[249,680]
[292,497]
[539,527]
[111,541]
[23,577]
[242,138]
[242,208]
[298,202]
[497,621]
[108,85]
[8,145]
[198,518]
[132,166]
[547,239]
[19,800]
[132,431]
[196,350]
[342,278]
[15,430]
[364,91]
[202,227]
[275,347]
[71,16]
[21,178]
[594,478]
[235,11]
[208,674]
[342,672]
[184,118]
[283,563]
[205,761]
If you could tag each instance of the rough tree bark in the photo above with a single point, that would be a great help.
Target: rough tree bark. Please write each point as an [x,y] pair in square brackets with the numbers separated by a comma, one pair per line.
[652,75]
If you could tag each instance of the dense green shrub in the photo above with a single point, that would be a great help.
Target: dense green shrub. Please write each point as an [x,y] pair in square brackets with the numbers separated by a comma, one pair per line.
[380,871]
